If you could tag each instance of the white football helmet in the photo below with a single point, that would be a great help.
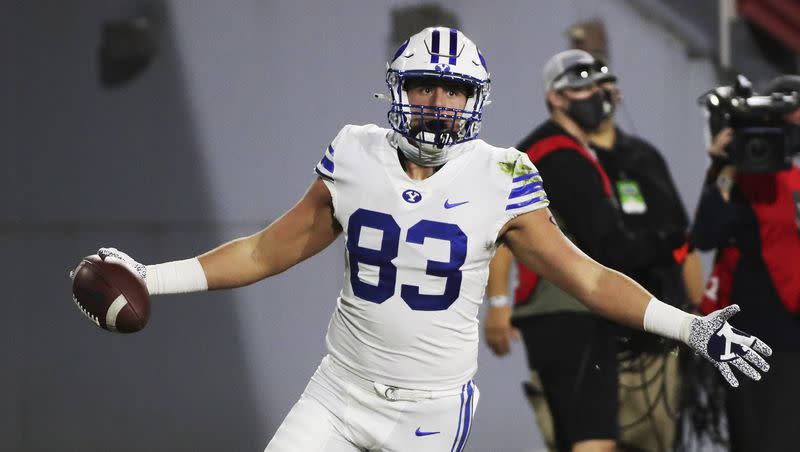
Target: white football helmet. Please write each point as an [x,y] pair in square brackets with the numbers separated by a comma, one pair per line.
[444,53]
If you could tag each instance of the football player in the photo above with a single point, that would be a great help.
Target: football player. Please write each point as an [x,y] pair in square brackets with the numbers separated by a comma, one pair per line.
[422,207]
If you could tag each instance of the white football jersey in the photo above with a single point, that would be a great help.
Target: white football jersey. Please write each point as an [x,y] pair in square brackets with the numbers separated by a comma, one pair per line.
[417,254]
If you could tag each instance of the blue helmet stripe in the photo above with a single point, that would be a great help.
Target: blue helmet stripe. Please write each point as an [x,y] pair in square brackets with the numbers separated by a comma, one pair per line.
[453,45]
[400,50]
[435,46]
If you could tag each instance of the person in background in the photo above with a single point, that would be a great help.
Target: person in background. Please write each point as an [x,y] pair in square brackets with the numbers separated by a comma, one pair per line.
[753,221]
[613,194]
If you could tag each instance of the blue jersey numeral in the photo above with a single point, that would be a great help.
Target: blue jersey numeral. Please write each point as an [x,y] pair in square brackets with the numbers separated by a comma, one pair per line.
[387,272]
[382,258]
[450,270]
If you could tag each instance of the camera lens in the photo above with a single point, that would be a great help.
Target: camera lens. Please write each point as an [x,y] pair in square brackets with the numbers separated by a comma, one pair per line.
[757,149]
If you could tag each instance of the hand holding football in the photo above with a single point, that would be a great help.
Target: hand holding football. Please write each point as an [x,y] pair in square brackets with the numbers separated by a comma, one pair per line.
[111,294]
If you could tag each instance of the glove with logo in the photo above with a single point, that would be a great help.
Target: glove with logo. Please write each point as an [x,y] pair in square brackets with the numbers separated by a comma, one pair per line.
[716,340]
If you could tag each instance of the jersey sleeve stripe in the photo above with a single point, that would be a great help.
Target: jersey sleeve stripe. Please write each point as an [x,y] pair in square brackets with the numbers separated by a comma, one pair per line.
[323,175]
[326,166]
[525,190]
[528,202]
[327,163]
[524,177]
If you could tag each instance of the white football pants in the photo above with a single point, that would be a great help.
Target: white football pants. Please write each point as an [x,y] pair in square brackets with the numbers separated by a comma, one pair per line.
[342,412]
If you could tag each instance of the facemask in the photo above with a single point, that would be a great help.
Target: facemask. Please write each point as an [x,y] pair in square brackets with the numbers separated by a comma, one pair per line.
[589,113]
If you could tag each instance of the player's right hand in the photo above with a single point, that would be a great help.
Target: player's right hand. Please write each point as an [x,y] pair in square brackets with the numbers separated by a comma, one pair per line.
[498,330]
[140,269]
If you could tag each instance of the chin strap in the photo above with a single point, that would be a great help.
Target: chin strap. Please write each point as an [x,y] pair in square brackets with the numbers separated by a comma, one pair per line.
[424,155]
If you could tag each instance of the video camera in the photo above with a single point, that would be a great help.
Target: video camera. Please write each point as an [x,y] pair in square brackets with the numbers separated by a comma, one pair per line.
[761,138]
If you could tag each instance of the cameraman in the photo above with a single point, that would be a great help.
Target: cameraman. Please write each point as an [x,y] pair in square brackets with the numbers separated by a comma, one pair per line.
[753,220]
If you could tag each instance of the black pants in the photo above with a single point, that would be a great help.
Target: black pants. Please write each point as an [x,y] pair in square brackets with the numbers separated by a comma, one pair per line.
[764,415]
[575,355]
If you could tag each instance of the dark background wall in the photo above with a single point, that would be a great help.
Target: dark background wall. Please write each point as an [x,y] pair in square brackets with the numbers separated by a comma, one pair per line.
[215,140]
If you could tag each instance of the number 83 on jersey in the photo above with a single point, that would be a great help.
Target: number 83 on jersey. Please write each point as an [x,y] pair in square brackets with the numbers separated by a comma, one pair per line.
[389,248]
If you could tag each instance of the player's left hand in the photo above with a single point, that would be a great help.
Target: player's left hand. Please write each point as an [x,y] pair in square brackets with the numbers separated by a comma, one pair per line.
[498,330]
[715,339]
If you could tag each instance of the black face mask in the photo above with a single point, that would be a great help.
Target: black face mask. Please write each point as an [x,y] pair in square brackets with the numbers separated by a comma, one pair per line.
[590,112]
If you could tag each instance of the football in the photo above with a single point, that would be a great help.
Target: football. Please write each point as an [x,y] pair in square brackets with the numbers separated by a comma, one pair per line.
[111,294]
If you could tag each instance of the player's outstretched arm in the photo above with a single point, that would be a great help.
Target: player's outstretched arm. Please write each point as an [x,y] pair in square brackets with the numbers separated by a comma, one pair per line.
[304,230]
[537,241]
[301,232]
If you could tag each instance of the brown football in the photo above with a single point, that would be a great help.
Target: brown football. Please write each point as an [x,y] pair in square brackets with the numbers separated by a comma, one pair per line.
[111,294]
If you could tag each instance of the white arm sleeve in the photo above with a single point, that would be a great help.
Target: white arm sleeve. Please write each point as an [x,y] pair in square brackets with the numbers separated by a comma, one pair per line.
[668,321]
[176,277]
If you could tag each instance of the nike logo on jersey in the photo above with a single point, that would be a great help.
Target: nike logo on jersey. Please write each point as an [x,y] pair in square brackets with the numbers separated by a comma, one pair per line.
[421,433]
[448,205]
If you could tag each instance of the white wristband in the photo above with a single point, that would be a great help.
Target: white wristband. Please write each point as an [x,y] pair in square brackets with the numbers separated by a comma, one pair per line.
[499,301]
[176,277]
[668,321]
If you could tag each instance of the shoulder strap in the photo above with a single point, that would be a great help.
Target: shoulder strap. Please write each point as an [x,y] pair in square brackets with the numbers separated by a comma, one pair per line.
[546,146]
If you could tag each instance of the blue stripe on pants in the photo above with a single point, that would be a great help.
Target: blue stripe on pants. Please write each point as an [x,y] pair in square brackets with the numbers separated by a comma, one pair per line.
[467,415]
[460,412]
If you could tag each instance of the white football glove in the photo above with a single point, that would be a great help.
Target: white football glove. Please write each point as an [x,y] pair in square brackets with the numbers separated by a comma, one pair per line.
[140,269]
[716,340]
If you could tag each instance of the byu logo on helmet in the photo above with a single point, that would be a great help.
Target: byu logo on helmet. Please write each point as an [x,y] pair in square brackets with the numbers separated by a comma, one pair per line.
[412,196]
